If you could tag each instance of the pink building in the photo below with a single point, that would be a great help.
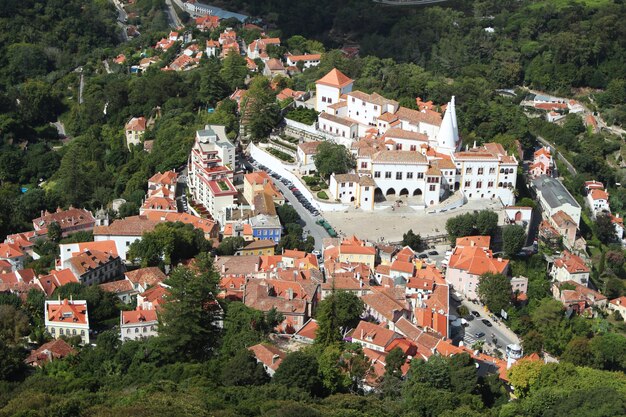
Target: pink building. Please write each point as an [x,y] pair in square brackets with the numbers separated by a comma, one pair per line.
[466,266]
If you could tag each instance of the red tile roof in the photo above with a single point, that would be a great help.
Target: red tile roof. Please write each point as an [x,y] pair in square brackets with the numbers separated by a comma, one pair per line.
[574,264]
[309,330]
[335,78]
[476,261]
[67,311]
[268,355]
[374,334]
[479,241]
[56,349]
[139,316]
[117,287]
[130,226]
[599,195]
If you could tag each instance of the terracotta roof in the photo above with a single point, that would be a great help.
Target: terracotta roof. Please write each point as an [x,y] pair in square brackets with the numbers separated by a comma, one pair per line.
[621,301]
[383,304]
[139,316]
[374,334]
[408,329]
[9,251]
[165,178]
[574,264]
[256,295]
[155,295]
[260,244]
[479,241]
[268,355]
[562,219]
[107,246]
[137,124]
[117,287]
[274,65]
[67,311]
[309,148]
[90,260]
[405,134]
[55,349]
[416,117]
[337,119]
[345,281]
[388,117]
[335,78]
[306,57]
[309,330]
[476,261]
[65,218]
[399,157]
[206,225]
[146,276]
[130,226]
[594,185]
[402,266]
[599,195]
[357,250]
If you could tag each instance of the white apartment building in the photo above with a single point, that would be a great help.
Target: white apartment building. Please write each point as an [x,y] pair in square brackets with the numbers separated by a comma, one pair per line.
[211,164]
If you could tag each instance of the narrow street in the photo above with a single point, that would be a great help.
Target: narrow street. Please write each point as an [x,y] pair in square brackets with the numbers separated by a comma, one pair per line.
[172,16]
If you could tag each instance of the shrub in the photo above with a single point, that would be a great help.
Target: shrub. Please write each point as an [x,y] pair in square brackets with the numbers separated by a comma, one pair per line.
[322,195]
[310,181]
[323,186]
[315,188]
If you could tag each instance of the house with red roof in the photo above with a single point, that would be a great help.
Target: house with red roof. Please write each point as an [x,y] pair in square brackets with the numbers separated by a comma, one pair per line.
[123,289]
[134,130]
[138,324]
[55,279]
[570,267]
[67,318]
[373,336]
[69,250]
[307,333]
[154,297]
[618,305]
[207,23]
[467,264]
[48,352]
[93,266]
[543,164]
[384,309]
[308,60]
[578,297]
[13,255]
[290,300]
[269,356]
[598,202]
[330,88]
[71,221]
[125,232]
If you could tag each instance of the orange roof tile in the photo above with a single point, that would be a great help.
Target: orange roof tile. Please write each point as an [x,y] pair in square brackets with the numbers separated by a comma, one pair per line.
[335,78]
[67,311]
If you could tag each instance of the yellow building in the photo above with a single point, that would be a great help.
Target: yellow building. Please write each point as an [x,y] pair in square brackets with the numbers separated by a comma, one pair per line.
[67,318]
[259,247]
[358,254]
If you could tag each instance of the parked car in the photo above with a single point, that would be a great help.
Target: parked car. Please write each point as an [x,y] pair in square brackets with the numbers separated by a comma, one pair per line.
[487,322]
[469,317]
[478,335]
[433,253]
[423,256]
[475,313]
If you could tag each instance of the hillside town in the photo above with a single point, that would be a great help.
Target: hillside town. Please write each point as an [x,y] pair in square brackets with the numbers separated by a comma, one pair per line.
[303,220]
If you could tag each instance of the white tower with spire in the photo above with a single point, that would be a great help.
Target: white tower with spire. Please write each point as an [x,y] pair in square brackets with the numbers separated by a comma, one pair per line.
[448,136]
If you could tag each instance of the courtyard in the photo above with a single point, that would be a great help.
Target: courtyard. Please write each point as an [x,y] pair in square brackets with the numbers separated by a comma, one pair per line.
[390,223]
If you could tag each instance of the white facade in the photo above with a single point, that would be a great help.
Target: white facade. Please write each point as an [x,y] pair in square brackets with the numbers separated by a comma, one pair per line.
[211,164]
[122,243]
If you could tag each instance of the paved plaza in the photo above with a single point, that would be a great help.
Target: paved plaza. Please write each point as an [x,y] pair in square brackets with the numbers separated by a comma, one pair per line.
[391,223]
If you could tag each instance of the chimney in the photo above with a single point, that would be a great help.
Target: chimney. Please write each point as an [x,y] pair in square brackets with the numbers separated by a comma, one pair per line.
[275,358]
[290,294]
[362,334]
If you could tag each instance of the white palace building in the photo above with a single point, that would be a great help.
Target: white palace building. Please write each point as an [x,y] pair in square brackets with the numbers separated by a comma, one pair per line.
[405,152]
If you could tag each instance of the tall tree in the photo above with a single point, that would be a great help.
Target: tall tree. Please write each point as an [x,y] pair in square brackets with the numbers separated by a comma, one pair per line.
[333,158]
[412,240]
[337,314]
[514,238]
[187,324]
[260,112]
[300,369]
[234,71]
[495,291]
